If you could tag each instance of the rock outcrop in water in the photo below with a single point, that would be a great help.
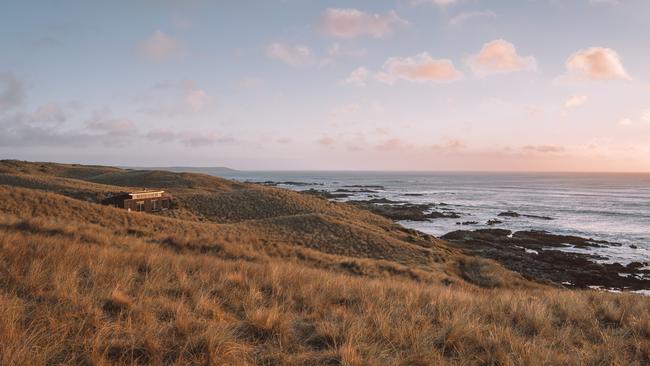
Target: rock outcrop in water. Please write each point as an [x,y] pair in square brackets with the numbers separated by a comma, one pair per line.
[399,211]
[536,255]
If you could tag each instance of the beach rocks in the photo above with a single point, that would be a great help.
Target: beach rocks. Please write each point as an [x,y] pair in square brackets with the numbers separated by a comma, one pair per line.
[534,254]
[287,183]
[517,214]
[494,222]
[399,211]
[325,194]
[467,223]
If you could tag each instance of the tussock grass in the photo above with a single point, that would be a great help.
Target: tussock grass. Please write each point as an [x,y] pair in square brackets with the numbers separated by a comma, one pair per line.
[300,281]
[66,300]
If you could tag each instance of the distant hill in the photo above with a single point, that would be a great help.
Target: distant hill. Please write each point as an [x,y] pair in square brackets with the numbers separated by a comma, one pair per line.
[245,274]
[215,170]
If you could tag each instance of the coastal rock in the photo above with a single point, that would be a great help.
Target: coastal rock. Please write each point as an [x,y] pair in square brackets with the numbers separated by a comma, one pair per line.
[494,222]
[325,194]
[370,186]
[403,211]
[467,223]
[539,217]
[362,190]
[532,254]
[509,214]
[288,183]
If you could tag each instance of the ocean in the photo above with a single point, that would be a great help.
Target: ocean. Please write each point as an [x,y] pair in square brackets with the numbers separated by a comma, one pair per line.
[612,207]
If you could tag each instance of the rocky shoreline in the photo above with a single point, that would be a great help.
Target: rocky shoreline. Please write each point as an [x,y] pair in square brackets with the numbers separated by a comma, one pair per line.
[537,255]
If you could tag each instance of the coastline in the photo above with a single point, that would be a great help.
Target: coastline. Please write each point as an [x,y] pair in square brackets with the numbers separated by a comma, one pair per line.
[560,260]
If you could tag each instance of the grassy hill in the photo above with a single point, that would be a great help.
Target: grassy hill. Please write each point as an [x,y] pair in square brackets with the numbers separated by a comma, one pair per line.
[254,275]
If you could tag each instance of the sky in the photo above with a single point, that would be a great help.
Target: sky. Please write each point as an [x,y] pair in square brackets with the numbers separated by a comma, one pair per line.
[470,85]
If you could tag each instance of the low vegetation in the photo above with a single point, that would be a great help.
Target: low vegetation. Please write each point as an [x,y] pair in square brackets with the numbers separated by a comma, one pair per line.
[300,281]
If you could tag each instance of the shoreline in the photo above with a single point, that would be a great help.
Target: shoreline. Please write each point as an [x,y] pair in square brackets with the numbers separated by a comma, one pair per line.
[560,260]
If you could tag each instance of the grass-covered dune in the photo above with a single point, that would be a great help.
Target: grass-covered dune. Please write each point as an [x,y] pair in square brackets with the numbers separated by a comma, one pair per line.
[241,274]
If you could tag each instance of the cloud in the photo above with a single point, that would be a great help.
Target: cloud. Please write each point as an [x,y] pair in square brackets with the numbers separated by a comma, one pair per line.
[500,56]
[392,144]
[544,149]
[290,55]
[203,139]
[11,91]
[642,119]
[441,3]
[159,47]
[197,99]
[466,16]
[419,68]
[187,138]
[358,77]
[45,127]
[161,135]
[597,63]
[451,145]
[104,122]
[576,101]
[326,141]
[351,23]
[176,97]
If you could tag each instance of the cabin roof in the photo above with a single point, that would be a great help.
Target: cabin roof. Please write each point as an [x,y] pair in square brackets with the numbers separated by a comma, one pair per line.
[146,191]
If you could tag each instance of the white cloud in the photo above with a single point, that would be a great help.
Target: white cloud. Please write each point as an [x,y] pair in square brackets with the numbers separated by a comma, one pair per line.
[358,77]
[418,68]
[159,47]
[500,56]
[597,63]
[350,23]
[576,101]
[290,55]
[473,15]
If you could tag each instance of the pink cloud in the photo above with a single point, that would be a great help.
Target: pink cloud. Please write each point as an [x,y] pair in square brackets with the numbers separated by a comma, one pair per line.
[597,63]
[197,99]
[161,135]
[441,3]
[103,121]
[326,141]
[576,101]
[350,23]
[419,68]
[290,55]
[544,149]
[201,139]
[452,145]
[159,47]
[392,144]
[500,56]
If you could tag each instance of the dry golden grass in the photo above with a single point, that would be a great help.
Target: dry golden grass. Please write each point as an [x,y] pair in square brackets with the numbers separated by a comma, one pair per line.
[82,296]
[299,282]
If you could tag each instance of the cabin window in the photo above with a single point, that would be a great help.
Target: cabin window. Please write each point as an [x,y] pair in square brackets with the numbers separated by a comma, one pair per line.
[155,205]
[139,206]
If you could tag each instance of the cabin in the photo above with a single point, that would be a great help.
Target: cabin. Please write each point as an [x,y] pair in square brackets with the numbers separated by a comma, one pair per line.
[140,201]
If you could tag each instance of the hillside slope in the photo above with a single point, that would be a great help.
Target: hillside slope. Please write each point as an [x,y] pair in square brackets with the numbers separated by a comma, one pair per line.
[244,274]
